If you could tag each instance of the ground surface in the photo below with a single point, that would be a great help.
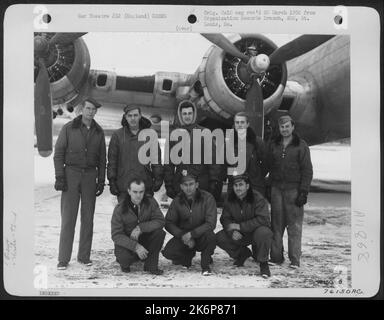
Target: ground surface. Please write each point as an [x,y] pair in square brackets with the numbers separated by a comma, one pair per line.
[326,244]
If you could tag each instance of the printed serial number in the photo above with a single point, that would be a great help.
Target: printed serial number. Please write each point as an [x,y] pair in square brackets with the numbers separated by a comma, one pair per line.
[343,291]
[49,293]
[212,309]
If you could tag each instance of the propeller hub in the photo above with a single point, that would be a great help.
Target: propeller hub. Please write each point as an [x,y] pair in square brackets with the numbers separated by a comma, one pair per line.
[41,46]
[259,64]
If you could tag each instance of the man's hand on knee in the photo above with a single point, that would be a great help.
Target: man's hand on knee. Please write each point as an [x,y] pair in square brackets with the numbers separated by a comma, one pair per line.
[236,235]
[186,237]
[191,243]
[141,251]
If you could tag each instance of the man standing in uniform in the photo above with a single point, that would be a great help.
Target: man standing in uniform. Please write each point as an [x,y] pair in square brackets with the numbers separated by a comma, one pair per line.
[246,221]
[79,161]
[254,153]
[191,219]
[137,229]
[123,162]
[208,175]
[290,170]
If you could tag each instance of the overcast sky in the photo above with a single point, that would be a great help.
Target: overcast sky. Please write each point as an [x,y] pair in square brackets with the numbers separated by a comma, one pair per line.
[131,53]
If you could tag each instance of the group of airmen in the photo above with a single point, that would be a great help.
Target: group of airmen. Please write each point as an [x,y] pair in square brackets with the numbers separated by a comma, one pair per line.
[278,173]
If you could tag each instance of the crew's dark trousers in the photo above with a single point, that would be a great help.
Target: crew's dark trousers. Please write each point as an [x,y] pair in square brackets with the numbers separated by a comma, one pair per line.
[152,241]
[81,185]
[178,252]
[286,214]
[260,239]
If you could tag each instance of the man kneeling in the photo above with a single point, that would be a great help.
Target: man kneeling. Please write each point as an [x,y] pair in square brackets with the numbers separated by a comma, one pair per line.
[246,221]
[191,219]
[137,229]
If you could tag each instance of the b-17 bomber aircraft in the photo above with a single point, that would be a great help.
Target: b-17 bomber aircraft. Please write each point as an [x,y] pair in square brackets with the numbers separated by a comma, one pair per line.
[309,77]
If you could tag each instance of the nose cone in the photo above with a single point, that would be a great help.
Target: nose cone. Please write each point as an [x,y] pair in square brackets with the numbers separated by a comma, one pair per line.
[260,63]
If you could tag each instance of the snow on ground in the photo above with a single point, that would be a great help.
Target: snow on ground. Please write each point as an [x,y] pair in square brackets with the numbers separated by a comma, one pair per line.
[326,241]
[326,244]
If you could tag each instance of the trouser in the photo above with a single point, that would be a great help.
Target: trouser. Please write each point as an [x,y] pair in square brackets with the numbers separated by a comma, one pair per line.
[152,241]
[179,253]
[81,185]
[286,214]
[260,239]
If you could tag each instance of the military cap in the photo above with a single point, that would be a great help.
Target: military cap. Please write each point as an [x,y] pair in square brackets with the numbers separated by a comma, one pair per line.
[285,118]
[187,175]
[236,177]
[93,101]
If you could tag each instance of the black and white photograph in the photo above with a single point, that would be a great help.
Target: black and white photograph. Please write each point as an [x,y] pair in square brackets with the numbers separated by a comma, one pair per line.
[304,79]
[193,161]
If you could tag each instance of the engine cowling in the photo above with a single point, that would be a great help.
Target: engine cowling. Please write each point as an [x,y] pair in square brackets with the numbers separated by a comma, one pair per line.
[223,83]
[68,69]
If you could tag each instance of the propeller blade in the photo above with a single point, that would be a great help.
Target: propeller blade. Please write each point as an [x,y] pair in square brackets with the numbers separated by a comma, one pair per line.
[43,111]
[65,38]
[222,42]
[297,47]
[255,109]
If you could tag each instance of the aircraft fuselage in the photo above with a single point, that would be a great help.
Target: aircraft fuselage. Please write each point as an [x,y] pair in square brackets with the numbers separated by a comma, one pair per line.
[319,83]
